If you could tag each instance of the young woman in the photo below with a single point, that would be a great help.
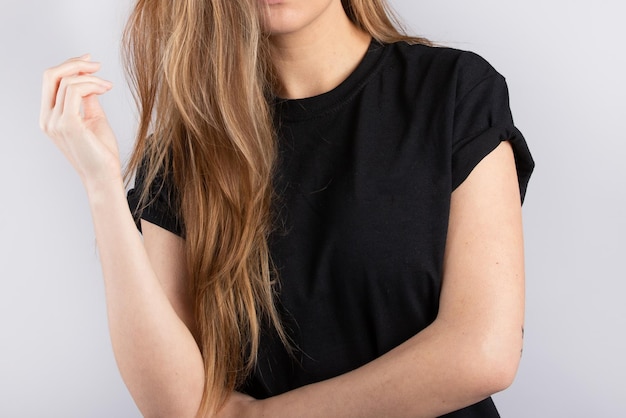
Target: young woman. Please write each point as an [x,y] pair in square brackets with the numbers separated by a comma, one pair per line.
[330,213]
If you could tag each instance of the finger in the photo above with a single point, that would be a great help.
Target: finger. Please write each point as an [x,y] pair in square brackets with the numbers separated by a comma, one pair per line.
[75,66]
[76,92]
[77,79]
[91,107]
[52,79]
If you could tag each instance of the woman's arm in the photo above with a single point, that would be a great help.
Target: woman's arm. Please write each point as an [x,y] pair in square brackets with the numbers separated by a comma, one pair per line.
[472,349]
[156,353]
[166,253]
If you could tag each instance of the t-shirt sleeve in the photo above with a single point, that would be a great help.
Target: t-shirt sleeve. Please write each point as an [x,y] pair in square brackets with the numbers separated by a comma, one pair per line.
[160,206]
[482,119]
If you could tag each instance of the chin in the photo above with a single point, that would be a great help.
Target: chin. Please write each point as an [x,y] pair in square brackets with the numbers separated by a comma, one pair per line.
[275,29]
[284,17]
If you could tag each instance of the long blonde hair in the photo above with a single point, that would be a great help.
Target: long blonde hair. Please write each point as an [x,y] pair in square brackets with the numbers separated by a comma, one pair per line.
[202,79]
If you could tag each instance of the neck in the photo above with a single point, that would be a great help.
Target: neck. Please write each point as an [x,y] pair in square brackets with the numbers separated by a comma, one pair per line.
[319,57]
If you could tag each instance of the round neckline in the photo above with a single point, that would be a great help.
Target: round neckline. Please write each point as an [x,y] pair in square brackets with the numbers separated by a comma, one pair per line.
[311,107]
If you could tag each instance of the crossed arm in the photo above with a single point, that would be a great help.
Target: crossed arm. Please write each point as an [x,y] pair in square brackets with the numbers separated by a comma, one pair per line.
[472,349]
[468,353]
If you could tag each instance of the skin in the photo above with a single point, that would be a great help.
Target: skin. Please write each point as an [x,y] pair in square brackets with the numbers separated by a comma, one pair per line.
[469,352]
[306,54]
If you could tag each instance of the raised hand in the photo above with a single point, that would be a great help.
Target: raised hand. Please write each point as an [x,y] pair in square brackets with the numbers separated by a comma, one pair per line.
[72,116]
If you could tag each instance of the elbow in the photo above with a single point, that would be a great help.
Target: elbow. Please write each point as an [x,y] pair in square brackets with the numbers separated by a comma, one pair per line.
[168,412]
[169,403]
[495,366]
[499,375]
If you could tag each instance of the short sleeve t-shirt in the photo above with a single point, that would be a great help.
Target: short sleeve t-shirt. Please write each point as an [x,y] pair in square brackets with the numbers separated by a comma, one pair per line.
[364,178]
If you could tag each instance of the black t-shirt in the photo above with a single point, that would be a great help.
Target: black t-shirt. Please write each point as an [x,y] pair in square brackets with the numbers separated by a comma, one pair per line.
[364,179]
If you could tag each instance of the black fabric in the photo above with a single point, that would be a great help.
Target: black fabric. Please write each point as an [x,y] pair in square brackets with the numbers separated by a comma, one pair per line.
[364,179]
[160,207]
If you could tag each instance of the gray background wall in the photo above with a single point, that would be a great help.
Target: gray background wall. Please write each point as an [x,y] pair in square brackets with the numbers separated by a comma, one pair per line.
[565,63]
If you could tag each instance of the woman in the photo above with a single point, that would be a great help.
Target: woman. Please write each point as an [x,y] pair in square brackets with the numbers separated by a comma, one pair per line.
[330,213]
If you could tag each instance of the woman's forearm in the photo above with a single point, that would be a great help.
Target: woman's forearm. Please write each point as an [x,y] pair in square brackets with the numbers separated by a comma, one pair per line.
[156,353]
[472,349]
[436,372]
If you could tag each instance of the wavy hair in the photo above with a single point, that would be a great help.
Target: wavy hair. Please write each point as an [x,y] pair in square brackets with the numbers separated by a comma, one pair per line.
[202,79]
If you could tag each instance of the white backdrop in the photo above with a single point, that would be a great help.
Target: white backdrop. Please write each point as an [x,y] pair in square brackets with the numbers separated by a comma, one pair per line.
[565,64]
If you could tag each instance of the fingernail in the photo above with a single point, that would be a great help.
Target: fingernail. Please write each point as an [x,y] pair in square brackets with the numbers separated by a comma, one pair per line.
[85,56]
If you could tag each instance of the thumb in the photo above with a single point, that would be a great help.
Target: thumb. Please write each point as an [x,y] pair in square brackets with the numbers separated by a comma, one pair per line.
[91,107]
